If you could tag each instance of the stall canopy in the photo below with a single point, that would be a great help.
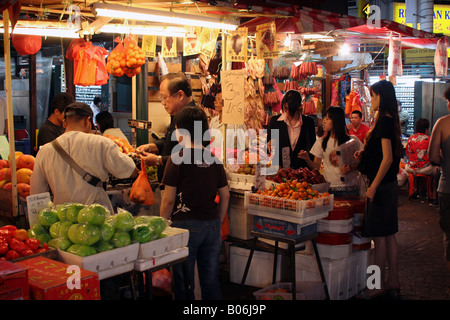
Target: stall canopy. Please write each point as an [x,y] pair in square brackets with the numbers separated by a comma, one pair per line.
[354,29]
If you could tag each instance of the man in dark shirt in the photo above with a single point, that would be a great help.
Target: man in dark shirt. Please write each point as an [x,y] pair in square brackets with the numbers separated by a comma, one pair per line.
[175,93]
[53,127]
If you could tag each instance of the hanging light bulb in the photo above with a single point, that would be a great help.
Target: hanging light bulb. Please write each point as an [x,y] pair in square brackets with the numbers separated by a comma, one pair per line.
[287,41]
[345,49]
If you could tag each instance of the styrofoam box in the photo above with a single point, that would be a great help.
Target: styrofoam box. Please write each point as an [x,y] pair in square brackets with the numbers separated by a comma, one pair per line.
[336,226]
[308,290]
[240,181]
[335,251]
[261,268]
[107,264]
[345,277]
[176,238]
[241,223]
[145,264]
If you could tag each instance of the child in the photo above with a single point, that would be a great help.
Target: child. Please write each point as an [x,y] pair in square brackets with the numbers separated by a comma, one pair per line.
[192,179]
[343,178]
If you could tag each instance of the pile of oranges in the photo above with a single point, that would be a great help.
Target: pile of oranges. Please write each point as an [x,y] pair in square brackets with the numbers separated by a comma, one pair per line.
[293,190]
[126,59]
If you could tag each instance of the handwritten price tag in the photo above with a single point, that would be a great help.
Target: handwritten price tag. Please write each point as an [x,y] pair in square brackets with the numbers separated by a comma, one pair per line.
[233,96]
[35,203]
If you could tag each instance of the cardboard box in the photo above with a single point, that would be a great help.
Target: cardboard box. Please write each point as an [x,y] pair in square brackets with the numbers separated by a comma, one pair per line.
[283,228]
[48,280]
[13,282]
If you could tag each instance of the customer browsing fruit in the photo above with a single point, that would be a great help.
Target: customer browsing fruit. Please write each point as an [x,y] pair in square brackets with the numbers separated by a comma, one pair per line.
[95,154]
[193,177]
[175,93]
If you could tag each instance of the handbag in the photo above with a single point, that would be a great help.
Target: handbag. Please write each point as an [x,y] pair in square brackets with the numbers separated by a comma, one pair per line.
[92,180]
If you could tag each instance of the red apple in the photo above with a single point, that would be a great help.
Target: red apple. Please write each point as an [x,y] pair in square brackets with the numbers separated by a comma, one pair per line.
[25,161]
[8,186]
[3,174]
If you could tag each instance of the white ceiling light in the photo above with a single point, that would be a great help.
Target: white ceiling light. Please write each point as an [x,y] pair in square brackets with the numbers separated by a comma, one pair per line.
[132,13]
[45,32]
[144,30]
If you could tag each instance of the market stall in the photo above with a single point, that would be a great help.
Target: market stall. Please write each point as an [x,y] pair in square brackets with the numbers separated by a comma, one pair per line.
[239,77]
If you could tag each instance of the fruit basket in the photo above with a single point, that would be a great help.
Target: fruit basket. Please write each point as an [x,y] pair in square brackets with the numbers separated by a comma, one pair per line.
[290,207]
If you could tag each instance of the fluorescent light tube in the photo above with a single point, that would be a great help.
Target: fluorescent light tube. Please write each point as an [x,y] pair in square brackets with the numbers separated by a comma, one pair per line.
[132,13]
[143,30]
[45,32]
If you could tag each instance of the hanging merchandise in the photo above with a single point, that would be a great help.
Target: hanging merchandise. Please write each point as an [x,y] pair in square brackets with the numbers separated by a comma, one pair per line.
[162,67]
[309,107]
[169,47]
[440,58]
[237,45]
[291,85]
[90,67]
[395,67]
[345,86]
[268,79]
[208,40]
[334,93]
[281,72]
[266,41]
[126,58]
[271,97]
[191,43]
[353,103]
[149,45]
[26,44]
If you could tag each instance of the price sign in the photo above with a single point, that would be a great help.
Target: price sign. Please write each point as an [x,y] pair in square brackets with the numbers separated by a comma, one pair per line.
[35,203]
[233,96]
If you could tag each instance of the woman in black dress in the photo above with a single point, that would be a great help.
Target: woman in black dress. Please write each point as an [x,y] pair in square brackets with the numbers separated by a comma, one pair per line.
[379,161]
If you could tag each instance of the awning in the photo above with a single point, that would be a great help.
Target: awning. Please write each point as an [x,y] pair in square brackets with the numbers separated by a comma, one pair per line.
[352,28]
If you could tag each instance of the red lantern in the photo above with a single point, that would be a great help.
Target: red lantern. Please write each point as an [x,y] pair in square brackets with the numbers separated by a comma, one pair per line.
[26,44]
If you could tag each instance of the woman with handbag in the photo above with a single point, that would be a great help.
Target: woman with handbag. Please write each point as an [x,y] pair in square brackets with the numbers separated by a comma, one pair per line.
[379,161]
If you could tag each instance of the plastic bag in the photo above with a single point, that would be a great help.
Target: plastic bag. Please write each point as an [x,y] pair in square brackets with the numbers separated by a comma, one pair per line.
[162,282]
[141,191]
[126,58]
[440,58]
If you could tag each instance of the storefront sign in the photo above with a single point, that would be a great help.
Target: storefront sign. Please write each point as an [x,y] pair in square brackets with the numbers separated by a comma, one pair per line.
[237,45]
[233,96]
[418,56]
[441,17]
[169,47]
[266,41]
[149,45]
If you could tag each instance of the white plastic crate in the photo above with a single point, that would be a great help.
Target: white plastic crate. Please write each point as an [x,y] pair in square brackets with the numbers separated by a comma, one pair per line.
[261,268]
[146,264]
[282,206]
[240,181]
[241,223]
[176,238]
[345,277]
[334,251]
[336,226]
[107,264]
[309,290]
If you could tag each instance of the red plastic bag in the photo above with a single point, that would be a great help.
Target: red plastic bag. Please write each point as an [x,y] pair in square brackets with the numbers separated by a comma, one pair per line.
[162,282]
[141,190]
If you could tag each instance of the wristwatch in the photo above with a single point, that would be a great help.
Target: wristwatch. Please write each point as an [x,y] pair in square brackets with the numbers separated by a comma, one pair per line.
[158,161]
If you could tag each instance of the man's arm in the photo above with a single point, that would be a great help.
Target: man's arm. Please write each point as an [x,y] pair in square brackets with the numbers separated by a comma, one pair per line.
[434,148]
[168,202]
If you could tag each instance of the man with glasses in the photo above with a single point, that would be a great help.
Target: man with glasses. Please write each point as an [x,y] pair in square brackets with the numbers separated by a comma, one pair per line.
[175,93]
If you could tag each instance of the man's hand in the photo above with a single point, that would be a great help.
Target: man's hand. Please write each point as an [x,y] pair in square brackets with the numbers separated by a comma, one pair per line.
[149,158]
[150,147]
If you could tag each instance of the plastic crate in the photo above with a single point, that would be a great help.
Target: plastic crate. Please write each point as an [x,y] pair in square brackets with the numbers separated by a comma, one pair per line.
[294,208]
[309,290]
[241,223]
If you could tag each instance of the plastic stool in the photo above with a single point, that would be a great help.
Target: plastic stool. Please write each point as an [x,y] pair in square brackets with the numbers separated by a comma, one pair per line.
[411,184]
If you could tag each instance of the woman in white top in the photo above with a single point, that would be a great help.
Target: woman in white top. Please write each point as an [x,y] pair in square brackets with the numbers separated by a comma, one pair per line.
[336,149]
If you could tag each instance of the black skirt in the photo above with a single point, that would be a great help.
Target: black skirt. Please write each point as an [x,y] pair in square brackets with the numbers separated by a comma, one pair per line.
[381,216]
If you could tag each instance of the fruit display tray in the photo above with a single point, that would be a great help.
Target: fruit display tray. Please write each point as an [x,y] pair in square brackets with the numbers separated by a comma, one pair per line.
[106,264]
[176,238]
[282,206]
